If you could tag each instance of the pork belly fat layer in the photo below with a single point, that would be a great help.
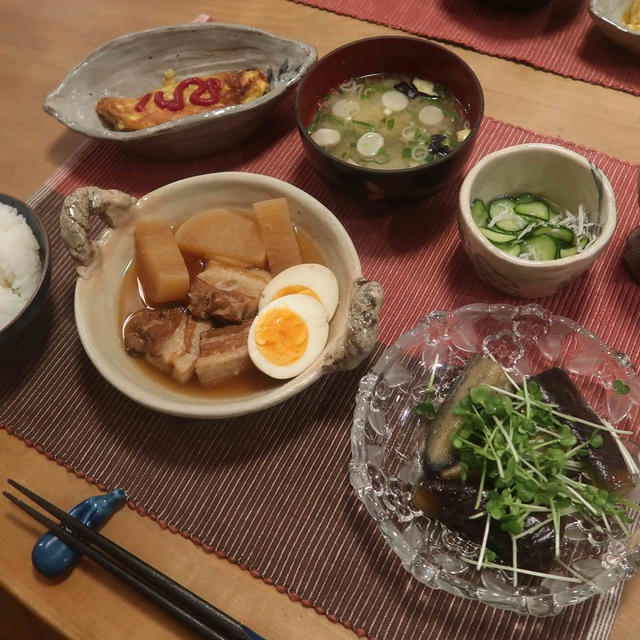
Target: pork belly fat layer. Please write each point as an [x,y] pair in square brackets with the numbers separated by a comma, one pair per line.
[169,339]
[223,354]
[225,293]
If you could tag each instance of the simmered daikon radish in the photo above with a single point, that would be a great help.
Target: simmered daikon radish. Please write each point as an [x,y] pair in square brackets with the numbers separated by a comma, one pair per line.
[219,232]
[278,234]
[161,267]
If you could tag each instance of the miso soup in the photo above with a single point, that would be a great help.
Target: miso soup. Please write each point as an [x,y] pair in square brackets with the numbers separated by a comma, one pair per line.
[389,122]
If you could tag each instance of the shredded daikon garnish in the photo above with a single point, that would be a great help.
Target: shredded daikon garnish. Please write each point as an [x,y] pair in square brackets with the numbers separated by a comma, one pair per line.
[523,233]
[578,224]
[501,216]
[580,220]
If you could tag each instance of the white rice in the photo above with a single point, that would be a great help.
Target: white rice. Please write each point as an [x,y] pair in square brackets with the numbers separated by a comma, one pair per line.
[20,267]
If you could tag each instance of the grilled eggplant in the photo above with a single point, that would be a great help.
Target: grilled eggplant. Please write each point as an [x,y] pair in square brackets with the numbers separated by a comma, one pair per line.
[605,465]
[439,452]
[452,502]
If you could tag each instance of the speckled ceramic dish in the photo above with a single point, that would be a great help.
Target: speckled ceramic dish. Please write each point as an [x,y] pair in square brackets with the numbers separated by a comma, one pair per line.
[607,16]
[102,265]
[135,63]
[35,304]
[550,171]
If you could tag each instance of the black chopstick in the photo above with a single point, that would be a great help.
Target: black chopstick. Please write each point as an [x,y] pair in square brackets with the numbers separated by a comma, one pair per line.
[177,600]
[206,612]
[119,572]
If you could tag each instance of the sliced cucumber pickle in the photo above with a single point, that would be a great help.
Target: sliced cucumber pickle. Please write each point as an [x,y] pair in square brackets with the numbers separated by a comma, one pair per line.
[535,209]
[562,234]
[542,248]
[525,198]
[502,206]
[511,224]
[565,252]
[497,237]
[529,227]
[512,249]
[479,213]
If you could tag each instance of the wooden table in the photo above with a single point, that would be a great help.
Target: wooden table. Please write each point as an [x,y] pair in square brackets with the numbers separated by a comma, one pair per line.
[39,43]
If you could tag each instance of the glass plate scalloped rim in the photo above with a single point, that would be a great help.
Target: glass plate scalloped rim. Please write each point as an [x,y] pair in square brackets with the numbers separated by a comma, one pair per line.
[387,439]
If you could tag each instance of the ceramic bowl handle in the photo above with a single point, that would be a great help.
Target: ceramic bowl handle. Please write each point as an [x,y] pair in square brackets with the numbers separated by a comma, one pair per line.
[361,332]
[112,206]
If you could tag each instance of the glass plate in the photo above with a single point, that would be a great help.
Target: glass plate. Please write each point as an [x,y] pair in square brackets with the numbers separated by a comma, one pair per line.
[387,441]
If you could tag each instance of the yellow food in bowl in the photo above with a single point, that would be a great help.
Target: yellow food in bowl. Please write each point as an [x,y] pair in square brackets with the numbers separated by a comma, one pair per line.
[175,99]
[631,17]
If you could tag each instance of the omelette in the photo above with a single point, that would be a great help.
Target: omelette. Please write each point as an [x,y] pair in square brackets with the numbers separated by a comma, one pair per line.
[631,17]
[176,99]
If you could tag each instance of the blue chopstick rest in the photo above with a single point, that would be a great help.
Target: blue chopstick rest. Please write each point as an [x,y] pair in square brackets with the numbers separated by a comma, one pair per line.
[51,556]
[252,635]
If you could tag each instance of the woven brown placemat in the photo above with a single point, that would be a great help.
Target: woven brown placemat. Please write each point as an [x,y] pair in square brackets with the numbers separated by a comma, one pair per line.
[270,491]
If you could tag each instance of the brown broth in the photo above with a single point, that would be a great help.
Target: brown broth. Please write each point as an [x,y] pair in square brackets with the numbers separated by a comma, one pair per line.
[132,299]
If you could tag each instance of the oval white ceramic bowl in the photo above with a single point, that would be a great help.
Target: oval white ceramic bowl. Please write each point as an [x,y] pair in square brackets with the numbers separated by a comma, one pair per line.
[562,176]
[97,292]
[135,63]
[607,16]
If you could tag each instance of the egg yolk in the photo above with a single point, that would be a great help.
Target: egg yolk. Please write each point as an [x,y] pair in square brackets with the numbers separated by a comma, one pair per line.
[281,336]
[295,288]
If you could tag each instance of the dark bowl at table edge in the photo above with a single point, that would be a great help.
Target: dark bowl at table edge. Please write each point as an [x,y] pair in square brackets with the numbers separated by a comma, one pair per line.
[518,4]
[37,300]
[389,184]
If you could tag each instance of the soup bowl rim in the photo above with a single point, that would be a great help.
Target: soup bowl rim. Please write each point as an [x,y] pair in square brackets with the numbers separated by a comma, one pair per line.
[475,126]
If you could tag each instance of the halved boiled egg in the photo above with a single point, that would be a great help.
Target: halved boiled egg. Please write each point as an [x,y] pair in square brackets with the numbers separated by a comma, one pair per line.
[288,335]
[313,280]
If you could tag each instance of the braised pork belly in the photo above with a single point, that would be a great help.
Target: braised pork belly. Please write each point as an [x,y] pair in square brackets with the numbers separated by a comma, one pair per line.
[226,294]
[189,298]
[223,354]
[173,342]
[169,340]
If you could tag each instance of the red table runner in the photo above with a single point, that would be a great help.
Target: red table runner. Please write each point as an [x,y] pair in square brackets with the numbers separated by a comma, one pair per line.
[271,491]
[558,37]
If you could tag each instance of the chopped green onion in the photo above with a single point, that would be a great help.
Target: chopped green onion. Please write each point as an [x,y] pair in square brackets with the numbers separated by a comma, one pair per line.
[369,125]
[329,117]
